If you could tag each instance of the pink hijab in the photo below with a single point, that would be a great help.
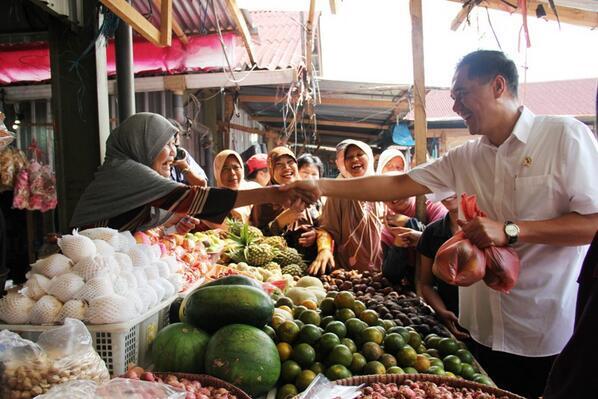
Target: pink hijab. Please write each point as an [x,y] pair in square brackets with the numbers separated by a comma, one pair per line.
[355,225]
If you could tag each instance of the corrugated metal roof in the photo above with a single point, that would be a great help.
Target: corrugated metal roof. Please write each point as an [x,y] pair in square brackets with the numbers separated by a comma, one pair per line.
[564,97]
[277,40]
[276,35]
[195,17]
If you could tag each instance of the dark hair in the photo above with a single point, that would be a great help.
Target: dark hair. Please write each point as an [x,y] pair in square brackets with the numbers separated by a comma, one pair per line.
[487,64]
[309,159]
[253,175]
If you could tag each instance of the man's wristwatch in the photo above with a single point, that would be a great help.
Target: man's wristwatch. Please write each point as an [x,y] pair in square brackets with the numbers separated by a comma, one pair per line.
[512,232]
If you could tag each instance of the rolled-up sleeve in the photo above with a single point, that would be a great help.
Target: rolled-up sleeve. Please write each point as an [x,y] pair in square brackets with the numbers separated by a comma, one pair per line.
[438,175]
[580,152]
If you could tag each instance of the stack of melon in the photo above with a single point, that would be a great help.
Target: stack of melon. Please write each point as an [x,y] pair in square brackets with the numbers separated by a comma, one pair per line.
[234,310]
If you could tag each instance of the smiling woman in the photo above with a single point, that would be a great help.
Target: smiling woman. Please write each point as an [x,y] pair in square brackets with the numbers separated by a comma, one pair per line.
[229,172]
[133,191]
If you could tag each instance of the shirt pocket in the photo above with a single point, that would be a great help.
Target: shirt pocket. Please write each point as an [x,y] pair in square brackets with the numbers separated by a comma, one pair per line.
[535,197]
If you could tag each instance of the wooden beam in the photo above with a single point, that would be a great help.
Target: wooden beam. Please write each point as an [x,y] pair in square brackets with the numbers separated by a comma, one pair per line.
[131,16]
[334,6]
[361,125]
[334,101]
[254,78]
[166,23]
[175,25]
[252,130]
[347,135]
[568,15]
[242,27]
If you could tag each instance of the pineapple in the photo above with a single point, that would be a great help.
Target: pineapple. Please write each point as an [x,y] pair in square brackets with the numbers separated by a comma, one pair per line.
[288,256]
[272,266]
[293,270]
[235,229]
[275,241]
[259,254]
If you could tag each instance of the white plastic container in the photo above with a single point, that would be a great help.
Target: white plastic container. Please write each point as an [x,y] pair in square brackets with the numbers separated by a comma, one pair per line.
[117,344]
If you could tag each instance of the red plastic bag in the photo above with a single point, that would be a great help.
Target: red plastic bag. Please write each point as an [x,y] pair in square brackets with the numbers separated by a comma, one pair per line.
[459,262]
[502,268]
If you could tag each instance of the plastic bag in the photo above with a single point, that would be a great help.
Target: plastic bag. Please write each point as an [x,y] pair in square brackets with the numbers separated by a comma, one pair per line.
[61,354]
[116,388]
[6,137]
[460,262]
[322,388]
[12,160]
[502,268]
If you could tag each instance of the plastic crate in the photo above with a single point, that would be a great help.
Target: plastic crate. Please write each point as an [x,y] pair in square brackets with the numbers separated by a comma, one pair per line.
[117,344]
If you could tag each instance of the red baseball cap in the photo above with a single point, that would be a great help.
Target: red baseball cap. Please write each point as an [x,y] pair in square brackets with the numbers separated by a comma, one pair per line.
[257,162]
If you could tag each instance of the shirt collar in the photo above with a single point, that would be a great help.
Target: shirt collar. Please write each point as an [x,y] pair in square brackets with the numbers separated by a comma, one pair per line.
[521,130]
[524,124]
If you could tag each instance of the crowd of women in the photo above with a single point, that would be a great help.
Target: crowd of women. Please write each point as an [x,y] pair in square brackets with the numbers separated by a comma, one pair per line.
[135,189]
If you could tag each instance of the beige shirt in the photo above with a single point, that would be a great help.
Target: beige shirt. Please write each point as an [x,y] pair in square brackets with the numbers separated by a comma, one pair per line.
[545,169]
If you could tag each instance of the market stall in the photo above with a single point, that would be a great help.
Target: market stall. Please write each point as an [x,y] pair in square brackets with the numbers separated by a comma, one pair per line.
[228,312]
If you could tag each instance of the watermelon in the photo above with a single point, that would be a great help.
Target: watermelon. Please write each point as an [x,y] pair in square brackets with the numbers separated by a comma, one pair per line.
[234,280]
[180,347]
[211,308]
[244,356]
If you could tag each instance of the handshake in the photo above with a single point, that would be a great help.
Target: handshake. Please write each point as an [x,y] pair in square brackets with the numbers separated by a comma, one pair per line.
[299,194]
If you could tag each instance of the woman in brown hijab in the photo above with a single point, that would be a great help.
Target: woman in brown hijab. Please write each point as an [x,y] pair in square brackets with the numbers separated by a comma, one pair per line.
[297,226]
[355,226]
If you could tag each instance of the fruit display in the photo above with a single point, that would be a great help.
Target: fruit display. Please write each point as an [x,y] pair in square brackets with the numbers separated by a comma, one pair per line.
[341,338]
[247,247]
[422,390]
[102,276]
[235,310]
[244,356]
[180,347]
[193,388]
[404,307]
[196,253]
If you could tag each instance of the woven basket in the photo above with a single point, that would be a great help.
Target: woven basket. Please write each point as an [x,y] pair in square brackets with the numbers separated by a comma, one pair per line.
[437,379]
[208,380]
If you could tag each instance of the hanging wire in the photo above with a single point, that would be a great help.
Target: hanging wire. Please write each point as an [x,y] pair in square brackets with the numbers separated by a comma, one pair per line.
[492,28]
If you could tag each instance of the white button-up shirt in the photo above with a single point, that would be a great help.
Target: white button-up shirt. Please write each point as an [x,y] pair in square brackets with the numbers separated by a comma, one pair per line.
[546,168]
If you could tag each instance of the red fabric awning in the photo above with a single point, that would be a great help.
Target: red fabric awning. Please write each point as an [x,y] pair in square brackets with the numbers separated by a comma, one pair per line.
[31,63]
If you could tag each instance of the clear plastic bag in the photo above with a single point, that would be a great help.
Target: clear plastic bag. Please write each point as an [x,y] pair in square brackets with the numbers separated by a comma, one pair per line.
[322,388]
[116,388]
[6,137]
[64,353]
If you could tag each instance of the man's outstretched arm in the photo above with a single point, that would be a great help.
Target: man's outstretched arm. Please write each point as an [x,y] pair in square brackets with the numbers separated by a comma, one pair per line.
[372,188]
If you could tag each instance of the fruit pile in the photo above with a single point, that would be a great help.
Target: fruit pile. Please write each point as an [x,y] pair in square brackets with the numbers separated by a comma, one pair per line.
[405,308]
[196,252]
[220,335]
[422,390]
[342,338]
[246,247]
[193,388]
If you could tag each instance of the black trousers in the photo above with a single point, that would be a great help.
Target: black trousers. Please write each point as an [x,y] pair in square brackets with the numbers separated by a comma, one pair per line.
[525,376]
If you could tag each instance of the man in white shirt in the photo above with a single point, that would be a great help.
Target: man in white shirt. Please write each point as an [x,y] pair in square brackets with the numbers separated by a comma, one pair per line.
[534,176]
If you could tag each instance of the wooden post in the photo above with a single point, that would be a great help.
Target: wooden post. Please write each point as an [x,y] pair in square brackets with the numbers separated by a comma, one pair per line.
[419,93]
[419,100]
[309,50]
